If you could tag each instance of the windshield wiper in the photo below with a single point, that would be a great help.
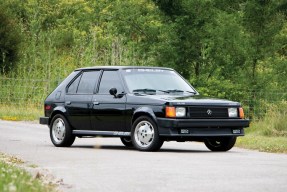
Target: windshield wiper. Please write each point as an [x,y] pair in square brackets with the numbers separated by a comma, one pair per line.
[178,91]
[153,91]
[144,90]
[193,92]
[174,91]
[147,90]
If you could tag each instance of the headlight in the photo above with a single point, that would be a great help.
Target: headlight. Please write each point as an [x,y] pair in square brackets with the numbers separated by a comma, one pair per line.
[180,111]
[175,111]
[232,112]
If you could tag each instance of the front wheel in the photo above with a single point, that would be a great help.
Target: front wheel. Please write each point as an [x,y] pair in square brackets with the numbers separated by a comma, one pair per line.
[145,135]
[61,132]
[220,143]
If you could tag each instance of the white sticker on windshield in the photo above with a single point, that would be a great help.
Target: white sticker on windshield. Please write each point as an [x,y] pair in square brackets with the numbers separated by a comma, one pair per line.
[150,70]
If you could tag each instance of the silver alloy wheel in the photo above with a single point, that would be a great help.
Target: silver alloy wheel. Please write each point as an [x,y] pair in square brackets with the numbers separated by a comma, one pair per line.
[58,130]
[144,134]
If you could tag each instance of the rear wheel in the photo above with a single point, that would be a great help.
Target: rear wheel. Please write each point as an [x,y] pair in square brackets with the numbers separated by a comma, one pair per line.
[145,135]
[220,143]
[127,141]
[61,132]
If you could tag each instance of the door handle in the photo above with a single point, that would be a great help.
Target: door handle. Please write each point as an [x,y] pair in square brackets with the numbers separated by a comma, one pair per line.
[68,102]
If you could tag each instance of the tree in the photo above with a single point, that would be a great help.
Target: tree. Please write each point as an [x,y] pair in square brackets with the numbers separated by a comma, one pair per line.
[262,21]
[189,20]
[10,39]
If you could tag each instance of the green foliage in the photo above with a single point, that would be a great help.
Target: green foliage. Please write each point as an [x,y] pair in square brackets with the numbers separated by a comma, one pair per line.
[227,49]
[15,179]
[189,21]
[262,22]
[263,143]
[270,132]
[274,122]
[10,40]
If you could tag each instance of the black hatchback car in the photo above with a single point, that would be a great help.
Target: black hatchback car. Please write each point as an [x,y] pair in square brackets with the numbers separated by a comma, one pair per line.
[144,106]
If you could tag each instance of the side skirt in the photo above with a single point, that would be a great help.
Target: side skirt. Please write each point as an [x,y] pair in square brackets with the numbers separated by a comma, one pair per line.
[101,133]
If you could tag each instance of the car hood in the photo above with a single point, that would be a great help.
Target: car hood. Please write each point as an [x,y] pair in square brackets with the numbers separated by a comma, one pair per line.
[190,100]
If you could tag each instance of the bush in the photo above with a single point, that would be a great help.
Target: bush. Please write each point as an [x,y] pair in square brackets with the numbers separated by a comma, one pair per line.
[10,39]
[274,123]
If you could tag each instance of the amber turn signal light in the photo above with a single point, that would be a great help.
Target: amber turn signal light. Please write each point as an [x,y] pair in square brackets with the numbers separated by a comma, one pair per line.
[241,113]
[170,112]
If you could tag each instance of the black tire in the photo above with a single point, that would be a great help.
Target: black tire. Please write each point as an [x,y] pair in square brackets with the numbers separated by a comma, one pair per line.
[154,142]
[220,143]
[63,138]
[127,141]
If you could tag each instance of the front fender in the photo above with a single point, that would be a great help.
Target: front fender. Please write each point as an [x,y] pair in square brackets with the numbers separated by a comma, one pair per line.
[144,111]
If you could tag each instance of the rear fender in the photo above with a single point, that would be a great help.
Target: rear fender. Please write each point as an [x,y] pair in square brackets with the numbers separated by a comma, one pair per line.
[58,110]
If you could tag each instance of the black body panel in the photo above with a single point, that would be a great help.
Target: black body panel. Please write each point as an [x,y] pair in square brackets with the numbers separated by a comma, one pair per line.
[204,123]
[79,111]
[108,113]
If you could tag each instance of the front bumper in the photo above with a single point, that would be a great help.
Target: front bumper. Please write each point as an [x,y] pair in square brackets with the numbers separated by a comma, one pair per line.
[44,120]
[201,127]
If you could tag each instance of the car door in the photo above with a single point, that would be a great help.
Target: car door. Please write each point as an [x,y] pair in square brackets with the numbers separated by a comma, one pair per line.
[78,100]
[108,111]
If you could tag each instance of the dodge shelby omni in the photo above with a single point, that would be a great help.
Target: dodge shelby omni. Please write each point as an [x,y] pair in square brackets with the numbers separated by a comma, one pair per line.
[144,106]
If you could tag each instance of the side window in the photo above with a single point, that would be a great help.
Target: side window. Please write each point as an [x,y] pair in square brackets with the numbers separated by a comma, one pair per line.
[88,82]
[73,87]
[110,79]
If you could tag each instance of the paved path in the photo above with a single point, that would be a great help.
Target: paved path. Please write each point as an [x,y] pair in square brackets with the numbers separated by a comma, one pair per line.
[104,164]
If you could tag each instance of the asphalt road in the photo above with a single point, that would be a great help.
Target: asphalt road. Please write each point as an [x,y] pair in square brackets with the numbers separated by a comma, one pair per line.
[104,164]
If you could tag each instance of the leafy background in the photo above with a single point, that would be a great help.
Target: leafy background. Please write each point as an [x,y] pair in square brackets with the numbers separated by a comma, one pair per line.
[229,49]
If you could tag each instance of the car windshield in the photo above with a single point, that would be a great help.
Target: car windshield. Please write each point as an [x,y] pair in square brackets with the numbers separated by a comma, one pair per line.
[156,81]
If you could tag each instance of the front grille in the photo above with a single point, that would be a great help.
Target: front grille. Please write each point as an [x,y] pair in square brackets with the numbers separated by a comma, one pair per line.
[208,112]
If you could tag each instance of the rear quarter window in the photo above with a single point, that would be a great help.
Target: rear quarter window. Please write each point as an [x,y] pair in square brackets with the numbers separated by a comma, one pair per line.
[74,86]
[85,83]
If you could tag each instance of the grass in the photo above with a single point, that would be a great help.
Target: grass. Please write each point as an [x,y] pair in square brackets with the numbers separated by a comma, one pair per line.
[268,134]
[13,178]
[20,112]
[263,143]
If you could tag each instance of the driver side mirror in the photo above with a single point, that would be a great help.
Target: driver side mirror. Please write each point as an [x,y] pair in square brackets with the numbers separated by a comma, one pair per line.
[113,91]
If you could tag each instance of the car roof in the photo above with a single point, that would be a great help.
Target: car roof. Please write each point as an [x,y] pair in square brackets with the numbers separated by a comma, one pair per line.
[121,67]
